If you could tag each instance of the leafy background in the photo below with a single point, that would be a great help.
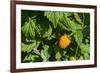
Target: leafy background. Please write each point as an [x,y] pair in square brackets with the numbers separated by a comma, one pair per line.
[41,30]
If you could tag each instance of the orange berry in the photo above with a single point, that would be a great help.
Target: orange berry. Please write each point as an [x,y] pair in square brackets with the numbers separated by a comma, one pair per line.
[64,41]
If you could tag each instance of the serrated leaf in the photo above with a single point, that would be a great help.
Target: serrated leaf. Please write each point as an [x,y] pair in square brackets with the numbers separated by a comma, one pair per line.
[36,48]
[54,17]
[78,37]
[48,32]
[45,53]
[29,28]
[61,24]
[30,57]
[28,47]
[70,24]
[77,18]
[38,30]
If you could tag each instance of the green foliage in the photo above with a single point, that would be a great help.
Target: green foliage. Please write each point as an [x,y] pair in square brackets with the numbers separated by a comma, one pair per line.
[41,30]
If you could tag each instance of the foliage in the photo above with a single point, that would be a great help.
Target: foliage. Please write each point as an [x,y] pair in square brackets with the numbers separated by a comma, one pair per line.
[41,30]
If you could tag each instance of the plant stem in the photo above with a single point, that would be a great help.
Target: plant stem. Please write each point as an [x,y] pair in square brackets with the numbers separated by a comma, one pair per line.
[76,52]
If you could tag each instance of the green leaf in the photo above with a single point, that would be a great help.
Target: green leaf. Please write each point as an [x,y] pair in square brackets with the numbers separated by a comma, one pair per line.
[48,32]
[61,24]
[54,17]
[86,56]
[78,37]
[71,24]
[45,53]
[51,37]
[38,29]
[85,48]
[28,29]
[67,14]
[28,47]
[81,58]
[77,18]
[36,48]
[58,56]
[30,57]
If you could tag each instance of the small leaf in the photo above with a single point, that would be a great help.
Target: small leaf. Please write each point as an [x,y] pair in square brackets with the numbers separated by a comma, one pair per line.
[58,56]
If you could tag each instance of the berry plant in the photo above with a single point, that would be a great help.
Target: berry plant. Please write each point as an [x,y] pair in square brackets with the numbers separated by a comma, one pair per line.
[54,36]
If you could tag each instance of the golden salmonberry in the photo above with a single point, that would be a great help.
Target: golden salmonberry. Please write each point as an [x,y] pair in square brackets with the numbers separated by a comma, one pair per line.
[64,41]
